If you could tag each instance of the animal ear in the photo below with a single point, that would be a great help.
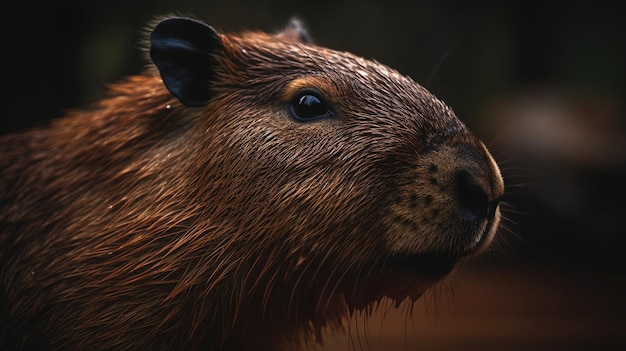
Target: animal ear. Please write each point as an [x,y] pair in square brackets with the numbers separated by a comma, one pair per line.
[185,50]
[295,30]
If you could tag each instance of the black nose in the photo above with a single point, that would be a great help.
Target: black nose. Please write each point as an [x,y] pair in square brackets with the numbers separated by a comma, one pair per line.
[472,196]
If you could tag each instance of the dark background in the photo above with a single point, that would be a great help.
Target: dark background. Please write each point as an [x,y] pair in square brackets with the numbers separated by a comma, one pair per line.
[542,83]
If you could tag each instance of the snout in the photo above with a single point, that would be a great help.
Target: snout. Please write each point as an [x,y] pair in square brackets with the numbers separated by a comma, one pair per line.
[449,204]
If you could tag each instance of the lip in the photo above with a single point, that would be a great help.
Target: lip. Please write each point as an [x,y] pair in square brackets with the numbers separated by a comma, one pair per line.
[486,236]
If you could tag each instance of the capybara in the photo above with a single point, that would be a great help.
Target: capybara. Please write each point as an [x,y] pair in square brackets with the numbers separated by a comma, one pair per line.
[244,192]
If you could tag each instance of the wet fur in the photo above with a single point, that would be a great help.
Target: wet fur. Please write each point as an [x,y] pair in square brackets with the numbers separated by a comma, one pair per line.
[140,223]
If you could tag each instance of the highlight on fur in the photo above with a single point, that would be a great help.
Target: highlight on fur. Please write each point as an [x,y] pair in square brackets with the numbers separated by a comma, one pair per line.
[246,192]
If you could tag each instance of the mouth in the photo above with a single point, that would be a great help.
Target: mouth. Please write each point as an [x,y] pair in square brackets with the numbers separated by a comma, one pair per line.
[398,277]
[484,239]
[404,276]
[407,275]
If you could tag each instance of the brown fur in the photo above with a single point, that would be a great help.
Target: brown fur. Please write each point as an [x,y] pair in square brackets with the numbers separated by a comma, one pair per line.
[145,224]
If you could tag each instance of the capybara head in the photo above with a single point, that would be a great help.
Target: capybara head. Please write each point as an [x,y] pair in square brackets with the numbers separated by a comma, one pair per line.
[245,192]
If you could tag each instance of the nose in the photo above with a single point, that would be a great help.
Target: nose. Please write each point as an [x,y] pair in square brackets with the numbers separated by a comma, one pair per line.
[475,189]
[473,196]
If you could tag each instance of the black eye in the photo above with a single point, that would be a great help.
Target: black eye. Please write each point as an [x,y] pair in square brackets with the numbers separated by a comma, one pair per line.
[309,104]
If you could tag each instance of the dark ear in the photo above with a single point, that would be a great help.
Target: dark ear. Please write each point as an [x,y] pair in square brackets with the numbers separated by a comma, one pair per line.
[184,51]
[295,30]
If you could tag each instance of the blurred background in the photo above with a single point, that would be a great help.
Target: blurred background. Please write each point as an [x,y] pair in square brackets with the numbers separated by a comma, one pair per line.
[542,83]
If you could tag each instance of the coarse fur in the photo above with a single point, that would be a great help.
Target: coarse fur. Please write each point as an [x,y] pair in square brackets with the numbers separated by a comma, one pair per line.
[142,223]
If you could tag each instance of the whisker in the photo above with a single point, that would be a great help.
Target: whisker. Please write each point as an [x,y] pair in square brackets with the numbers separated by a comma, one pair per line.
[509,175]
[357,279]
[513,210]
[350,334]
[519,186]
[505,161]
[295,286]
[321,295]
[443,58]
[332,292]
[509,220]
[407,319]
[328,65]
[358,333]
[306,53]
[502,242]
[319,267]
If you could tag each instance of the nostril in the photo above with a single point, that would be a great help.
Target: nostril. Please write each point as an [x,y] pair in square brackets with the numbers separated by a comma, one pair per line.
[473,199]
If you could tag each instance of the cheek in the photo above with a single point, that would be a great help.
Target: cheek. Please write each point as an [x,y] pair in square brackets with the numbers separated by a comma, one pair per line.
[309,177]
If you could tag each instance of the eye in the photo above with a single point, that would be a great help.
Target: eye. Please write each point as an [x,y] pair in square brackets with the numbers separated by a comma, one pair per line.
[309,105]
